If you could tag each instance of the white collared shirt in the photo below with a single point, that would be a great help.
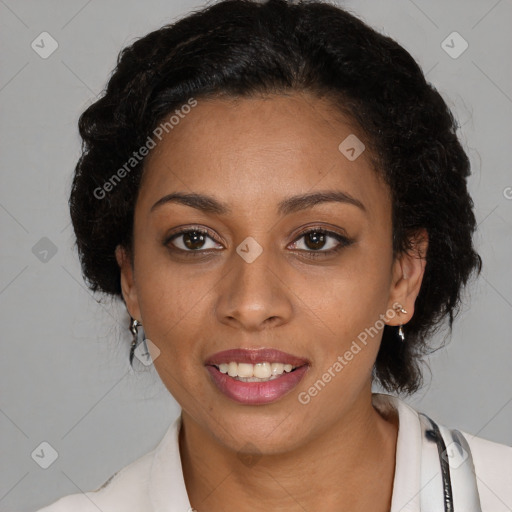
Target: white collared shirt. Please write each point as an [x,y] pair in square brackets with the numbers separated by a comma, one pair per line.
[155,483]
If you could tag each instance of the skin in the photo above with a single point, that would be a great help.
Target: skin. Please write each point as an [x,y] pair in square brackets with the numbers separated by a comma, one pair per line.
[251,154]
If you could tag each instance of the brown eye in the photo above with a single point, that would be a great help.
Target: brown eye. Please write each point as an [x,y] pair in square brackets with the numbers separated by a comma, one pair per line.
[194,239]
[191,240]
[315,240]
[321,241]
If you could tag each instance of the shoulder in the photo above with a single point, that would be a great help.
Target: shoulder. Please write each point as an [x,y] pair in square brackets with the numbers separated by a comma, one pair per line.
[123,491]
[493,470]
[487,464]
[150,482]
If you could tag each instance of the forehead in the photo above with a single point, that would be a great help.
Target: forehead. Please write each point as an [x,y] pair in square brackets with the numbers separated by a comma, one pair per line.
[256,151]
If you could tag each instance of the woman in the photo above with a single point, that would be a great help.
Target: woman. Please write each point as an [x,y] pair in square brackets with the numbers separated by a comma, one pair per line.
[280,199]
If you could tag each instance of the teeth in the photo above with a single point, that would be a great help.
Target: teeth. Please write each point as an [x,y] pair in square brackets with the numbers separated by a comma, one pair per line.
[245,370]
[255,372]
[232,370]
[277,368]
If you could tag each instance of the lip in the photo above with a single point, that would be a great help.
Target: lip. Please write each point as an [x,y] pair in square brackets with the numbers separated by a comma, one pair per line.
[256,393]
[253,356]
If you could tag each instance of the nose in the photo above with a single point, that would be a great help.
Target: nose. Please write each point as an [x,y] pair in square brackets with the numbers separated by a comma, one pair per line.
[253,296]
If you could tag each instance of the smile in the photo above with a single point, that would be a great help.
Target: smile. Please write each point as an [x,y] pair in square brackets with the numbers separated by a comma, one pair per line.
[255,376]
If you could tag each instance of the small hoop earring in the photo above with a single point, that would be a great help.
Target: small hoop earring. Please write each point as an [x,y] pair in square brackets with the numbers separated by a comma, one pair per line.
[134,329]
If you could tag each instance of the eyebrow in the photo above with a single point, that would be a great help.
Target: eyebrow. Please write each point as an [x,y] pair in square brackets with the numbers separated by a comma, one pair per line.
[287,206]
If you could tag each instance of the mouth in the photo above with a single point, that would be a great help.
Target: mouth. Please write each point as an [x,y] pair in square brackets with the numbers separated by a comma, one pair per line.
[256,376]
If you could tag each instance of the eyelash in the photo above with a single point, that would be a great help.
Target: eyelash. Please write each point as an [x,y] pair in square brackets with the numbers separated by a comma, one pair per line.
[343,242]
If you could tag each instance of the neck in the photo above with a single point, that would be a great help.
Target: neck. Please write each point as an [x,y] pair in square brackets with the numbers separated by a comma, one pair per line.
[351,466]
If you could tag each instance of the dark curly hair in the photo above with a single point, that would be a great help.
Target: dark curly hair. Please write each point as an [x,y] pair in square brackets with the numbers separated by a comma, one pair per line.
[240,48]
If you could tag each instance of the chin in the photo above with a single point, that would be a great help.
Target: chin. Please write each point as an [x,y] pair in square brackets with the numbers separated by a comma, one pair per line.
[264,432]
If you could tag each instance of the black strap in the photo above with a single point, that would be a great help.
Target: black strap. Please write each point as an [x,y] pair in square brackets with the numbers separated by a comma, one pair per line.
[433,434]
[459,485]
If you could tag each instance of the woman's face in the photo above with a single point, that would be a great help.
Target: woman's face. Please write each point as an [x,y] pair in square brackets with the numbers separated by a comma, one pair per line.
[255,280]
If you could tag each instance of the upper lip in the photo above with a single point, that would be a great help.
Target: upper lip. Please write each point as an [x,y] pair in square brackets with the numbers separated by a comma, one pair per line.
[253,356]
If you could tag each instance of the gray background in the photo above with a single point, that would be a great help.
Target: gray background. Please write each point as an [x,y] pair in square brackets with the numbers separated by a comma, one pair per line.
[64,371]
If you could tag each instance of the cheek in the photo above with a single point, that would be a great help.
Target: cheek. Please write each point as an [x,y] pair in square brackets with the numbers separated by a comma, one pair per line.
[348,336]
[350,307]
[353,296]
[167,291]
[172,305]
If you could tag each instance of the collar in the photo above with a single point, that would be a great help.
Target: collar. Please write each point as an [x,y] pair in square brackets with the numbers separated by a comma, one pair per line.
[406,483]
[168,492]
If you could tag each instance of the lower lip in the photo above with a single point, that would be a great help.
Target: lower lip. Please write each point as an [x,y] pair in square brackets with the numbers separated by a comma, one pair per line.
[256,393]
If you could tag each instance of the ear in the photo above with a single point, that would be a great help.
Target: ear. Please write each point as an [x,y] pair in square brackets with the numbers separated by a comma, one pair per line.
[408,271]
[128,287]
